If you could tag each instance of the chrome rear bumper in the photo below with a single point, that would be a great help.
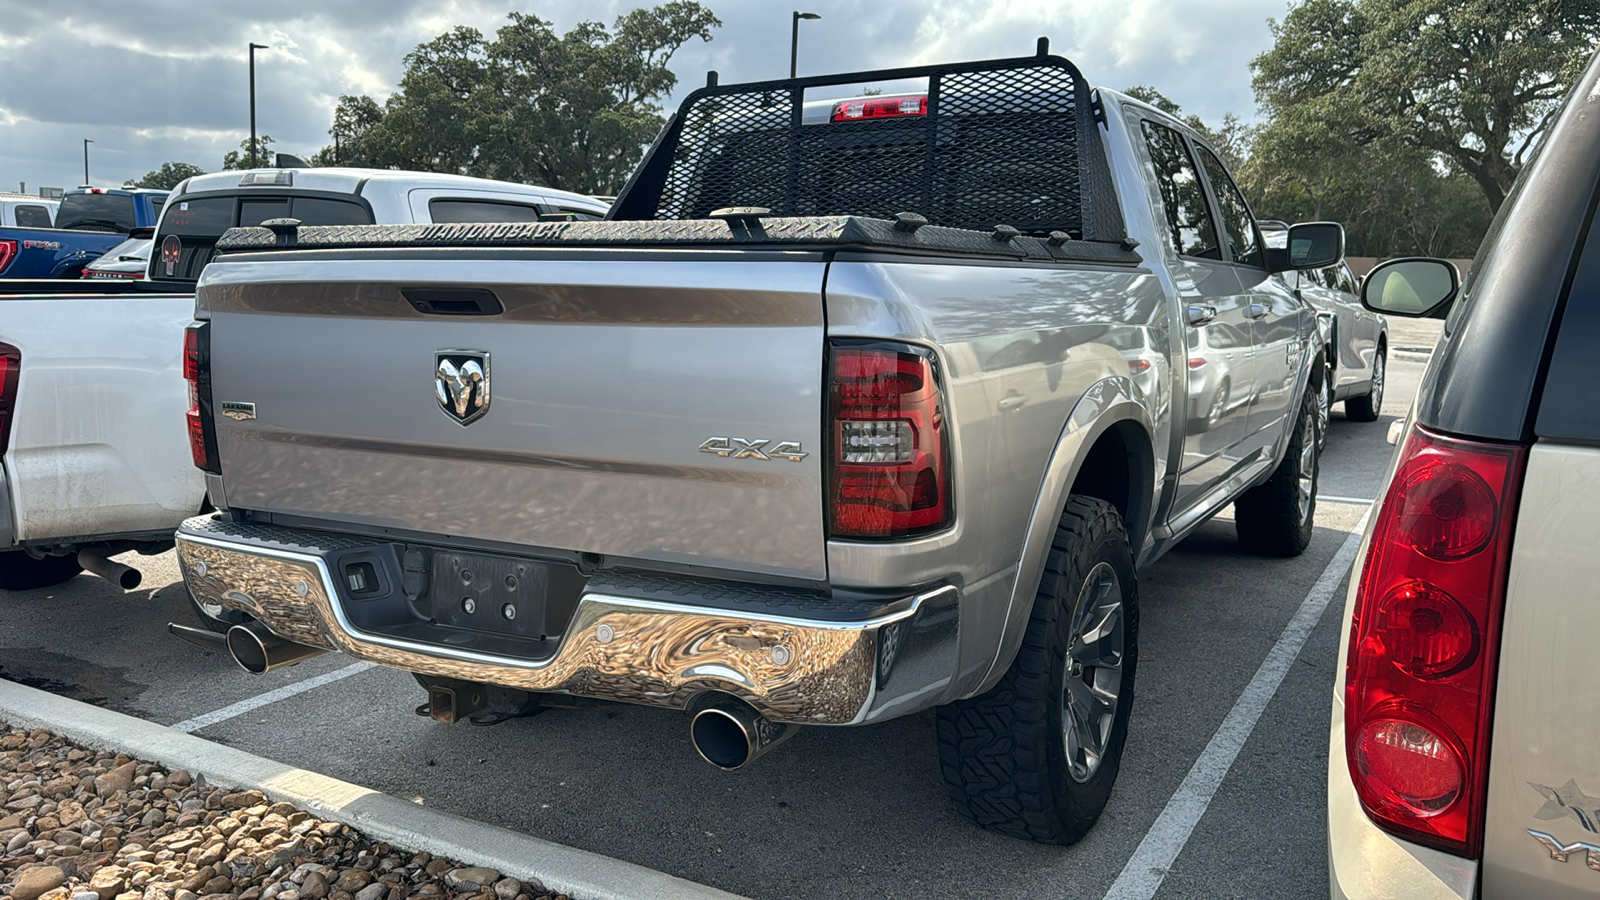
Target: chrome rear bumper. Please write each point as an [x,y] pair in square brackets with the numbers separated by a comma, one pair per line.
[621,644]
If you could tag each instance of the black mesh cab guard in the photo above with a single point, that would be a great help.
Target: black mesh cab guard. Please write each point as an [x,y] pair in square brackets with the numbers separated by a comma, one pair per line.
[1003,142]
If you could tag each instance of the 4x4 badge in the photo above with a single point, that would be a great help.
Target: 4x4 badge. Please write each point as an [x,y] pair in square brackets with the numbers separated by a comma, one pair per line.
[461,384]
[740,448]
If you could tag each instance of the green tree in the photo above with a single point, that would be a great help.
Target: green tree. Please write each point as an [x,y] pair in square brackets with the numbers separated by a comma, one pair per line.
[240,158]
[1393,199]
[1475,82]
[572,111]
[167,177]
[354,142]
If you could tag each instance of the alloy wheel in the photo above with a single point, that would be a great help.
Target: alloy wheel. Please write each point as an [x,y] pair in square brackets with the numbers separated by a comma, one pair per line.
[1306,468]
[1324,409]
[1377,383]
[1094,671]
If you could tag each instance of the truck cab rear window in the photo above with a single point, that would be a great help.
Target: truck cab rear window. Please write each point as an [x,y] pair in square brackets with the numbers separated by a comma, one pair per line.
[199,222]
[442,210]
[96,212]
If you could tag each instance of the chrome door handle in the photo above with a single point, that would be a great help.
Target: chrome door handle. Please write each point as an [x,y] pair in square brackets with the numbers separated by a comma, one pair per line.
[1200,315]
[1011,401]
[1255,310]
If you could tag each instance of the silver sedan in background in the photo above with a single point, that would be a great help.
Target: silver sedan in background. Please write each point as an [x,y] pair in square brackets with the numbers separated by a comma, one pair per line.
[1356,339]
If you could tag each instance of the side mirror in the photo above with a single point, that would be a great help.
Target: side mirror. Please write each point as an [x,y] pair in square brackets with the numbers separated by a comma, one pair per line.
[1415,287]
[1309,245]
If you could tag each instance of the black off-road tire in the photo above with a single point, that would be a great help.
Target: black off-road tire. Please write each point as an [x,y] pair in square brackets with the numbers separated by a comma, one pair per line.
[21,572]
[1368,406]
[1276,518]
[1004,754]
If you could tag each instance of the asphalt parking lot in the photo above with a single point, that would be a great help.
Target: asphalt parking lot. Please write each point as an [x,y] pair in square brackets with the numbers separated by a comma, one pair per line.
[835,812]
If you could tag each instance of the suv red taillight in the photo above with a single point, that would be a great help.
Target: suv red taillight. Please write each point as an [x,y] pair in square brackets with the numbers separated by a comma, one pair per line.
[1419,683]
[889,473]
[8,252]
[10,371]
[197,371]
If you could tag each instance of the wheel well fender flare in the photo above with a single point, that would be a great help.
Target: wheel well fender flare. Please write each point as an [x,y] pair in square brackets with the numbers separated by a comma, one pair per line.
[1109,405]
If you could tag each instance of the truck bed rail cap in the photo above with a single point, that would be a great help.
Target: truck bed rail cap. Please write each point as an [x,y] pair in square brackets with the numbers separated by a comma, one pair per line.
[804,232]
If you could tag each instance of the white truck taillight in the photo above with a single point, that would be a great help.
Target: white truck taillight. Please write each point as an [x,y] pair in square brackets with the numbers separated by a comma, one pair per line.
[10,371]
[1419,682]
[196,371]
[889,469]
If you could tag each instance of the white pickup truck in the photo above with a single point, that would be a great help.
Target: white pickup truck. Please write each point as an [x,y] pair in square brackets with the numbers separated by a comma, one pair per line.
[94,457]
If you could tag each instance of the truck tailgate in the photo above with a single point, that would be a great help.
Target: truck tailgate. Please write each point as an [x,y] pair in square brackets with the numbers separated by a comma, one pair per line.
[605,378]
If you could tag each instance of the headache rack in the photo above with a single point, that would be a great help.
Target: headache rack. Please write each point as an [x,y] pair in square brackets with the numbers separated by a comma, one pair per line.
[1003,142]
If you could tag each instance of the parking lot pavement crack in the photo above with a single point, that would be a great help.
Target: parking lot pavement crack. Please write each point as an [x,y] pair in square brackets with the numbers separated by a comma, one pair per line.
[1141,877]
[233,710]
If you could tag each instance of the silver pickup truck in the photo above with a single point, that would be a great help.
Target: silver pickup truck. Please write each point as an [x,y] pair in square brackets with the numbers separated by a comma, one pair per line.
[850,409]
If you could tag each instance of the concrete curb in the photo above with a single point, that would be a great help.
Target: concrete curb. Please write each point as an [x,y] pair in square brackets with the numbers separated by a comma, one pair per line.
[577,873]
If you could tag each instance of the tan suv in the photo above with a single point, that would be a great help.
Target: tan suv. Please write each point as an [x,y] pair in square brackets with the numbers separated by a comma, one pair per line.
[1465,752]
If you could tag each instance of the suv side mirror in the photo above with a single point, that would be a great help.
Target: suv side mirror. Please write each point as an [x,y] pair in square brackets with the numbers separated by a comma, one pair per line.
[1415,287]
[1309,245]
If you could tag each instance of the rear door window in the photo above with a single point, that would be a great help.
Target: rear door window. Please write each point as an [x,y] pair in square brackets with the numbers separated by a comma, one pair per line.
[1183,199]
[461,211]
[1237,222]
[33,216]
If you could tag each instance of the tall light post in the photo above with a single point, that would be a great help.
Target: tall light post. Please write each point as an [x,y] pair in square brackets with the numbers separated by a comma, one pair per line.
[253,48]
[86,143]
[794,38]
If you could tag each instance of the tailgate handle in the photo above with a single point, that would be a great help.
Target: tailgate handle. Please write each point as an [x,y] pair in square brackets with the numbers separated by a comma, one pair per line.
[454,301]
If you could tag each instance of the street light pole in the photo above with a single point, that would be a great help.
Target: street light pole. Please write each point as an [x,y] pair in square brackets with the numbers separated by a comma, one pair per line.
[794,38]
[253,48]
[86,143]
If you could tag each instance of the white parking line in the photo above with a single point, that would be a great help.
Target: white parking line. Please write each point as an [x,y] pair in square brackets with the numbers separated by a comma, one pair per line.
[1357,501]
[1142,876]
[289,690]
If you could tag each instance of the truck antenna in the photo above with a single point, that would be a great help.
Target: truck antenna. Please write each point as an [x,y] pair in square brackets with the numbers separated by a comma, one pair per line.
[711,78]
[1044,47]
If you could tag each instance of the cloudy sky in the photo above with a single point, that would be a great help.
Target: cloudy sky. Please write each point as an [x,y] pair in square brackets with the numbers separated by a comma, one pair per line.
[155,80]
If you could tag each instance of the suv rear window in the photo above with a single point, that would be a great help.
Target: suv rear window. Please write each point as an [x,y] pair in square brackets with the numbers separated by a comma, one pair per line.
[97,212]
[198,223]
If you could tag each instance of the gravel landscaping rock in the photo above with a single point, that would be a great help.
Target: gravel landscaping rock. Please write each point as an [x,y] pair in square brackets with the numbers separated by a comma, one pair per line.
[79,824]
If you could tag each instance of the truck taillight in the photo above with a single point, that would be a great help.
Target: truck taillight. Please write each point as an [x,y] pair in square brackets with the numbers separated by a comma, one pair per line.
[889,475]
[1419,682]
[197,371]
[10,372]
[8,252]
[879,108]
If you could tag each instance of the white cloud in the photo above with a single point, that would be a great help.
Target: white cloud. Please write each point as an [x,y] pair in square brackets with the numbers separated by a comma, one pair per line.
[166,80]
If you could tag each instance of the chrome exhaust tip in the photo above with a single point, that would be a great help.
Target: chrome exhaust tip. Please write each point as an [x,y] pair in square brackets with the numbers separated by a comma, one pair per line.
[200,637]
[259,651]
[125,577]
[730,735]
